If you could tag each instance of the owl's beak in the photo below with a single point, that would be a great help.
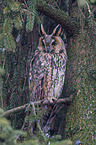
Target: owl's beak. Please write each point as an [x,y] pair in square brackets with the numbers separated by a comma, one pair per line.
[47,49]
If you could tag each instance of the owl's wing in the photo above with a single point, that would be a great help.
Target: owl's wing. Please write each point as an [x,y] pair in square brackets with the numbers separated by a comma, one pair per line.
[37,72]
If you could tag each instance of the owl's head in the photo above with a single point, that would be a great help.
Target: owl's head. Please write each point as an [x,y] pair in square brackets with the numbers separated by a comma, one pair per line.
[51,43]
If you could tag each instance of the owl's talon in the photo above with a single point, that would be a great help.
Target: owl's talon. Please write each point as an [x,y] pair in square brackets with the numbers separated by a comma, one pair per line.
[31,103]
[50,99]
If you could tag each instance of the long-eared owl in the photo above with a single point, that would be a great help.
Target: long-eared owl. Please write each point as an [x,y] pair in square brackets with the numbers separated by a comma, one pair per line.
[47,68]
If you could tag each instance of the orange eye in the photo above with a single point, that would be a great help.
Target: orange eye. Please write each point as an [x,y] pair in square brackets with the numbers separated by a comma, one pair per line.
[54,43]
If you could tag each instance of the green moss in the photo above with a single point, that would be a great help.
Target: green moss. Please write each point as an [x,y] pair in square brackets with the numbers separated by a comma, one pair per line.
[80,116]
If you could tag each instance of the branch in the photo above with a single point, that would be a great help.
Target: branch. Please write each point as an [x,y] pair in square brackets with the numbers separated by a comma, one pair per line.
[59,16]
[41,102]
[14,110]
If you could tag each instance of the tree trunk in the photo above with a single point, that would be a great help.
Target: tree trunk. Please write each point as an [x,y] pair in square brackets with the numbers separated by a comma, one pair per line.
[81,82]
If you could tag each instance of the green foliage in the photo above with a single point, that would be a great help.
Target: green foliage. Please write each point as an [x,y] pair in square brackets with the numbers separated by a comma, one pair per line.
[30,19]
[81,3]
[9,42]
[31,142]
[7,133]
[6,37]
[7,26]
[14,6]
[92,1]
[1,70]
[31,14]
[13,16]
[64,142]
[9,136]
[35,117]
[17,22]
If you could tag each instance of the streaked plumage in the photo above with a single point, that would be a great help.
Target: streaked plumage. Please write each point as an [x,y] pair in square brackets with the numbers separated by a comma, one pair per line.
[47,68]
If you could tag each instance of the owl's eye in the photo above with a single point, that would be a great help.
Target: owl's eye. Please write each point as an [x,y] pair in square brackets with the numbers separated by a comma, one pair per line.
[54,43]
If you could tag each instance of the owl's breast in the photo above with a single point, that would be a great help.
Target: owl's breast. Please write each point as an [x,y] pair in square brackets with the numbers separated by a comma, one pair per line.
[55,61]
[48,73]
[55,74]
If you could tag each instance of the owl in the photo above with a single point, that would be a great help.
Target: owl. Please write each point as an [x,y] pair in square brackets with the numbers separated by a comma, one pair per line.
[47,67]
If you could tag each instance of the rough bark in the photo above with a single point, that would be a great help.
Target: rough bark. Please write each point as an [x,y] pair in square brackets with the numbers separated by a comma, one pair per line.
[81,81]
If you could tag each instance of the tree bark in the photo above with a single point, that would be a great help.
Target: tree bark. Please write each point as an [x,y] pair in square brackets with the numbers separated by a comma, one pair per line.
[81,82]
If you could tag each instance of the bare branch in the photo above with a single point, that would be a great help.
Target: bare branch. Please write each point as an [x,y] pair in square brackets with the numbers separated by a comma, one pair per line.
[41,102]
[14,110]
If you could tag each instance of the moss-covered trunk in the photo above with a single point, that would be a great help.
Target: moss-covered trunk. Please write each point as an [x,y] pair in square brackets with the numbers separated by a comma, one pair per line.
[80,76]
[81,82]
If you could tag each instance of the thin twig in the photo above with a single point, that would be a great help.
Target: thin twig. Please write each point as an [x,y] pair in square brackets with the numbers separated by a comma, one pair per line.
[88,7]
[18,136]
[39,127]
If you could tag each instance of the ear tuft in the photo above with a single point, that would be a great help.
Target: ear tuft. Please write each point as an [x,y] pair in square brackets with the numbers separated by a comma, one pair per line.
[57,30]
[42,31]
